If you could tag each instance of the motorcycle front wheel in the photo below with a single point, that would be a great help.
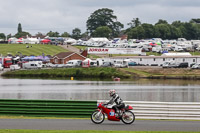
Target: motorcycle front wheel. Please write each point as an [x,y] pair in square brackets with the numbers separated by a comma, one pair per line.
[97,117]
[128,117]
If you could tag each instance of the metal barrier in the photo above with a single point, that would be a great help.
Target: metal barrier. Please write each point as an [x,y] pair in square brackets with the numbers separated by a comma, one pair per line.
[165,110]
[46,108]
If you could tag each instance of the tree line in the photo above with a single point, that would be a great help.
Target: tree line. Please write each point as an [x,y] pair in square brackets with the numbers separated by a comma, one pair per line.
[103,23]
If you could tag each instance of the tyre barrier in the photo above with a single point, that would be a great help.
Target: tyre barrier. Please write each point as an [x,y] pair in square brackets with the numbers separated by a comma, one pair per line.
[47,108]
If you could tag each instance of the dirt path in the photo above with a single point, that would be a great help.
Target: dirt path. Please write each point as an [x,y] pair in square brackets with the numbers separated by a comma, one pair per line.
[71,48]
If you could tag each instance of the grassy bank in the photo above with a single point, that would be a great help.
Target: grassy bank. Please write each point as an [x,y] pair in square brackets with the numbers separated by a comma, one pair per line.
[108,73]
[160,73]
[34,49]
[69,72]
[82,131]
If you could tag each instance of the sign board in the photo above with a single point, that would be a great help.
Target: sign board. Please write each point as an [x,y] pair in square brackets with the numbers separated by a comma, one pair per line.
[96,50]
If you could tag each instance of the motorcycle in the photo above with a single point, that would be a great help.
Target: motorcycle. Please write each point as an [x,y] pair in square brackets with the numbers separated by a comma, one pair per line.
[126,116]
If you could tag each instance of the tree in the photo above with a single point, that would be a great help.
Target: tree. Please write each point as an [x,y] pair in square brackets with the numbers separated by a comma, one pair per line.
[175,32]
[161,21]
[162,31]
[9,36]
[190,31]
[22,34]
[40,35]
[136,33]
[19,29]
[103,17]
[103,31]
[76,33]
[134,23]
[149,30]
[53,34]
[65,34]
[177,24]
[195,20]
[2,36]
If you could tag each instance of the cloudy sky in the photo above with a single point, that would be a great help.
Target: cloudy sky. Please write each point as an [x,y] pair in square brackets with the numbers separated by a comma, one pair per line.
[65,15]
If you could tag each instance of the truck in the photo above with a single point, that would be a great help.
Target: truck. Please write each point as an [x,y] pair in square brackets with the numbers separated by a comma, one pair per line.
[6,62]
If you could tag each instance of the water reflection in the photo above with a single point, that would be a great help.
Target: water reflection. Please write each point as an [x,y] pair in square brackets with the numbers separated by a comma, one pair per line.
[137,90]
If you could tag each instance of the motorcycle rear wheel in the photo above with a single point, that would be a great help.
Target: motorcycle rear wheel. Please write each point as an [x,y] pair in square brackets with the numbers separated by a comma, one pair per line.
[97,117]
[128,117]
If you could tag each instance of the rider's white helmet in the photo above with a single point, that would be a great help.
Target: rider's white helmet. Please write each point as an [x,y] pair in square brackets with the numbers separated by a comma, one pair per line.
[112,92]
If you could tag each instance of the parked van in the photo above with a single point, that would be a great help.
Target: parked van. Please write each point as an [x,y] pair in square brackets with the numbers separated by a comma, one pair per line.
[120,63]
[183,65]
[170,65]
[73,63]
[33,65]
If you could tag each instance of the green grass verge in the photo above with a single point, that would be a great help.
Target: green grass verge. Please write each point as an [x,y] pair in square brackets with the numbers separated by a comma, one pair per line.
[36,49]
[81,47]
[137,72]
[69,72]
[82,131]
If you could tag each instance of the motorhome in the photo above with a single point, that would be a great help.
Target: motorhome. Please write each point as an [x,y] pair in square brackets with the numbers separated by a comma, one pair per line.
[170,65]
[73,63]
[33,65]
[121,63]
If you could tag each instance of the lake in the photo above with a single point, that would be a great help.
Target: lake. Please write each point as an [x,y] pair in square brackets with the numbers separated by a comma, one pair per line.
[136,90]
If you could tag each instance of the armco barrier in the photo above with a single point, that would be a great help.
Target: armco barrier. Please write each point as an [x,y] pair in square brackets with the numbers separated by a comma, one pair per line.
[44,108]
[164,110]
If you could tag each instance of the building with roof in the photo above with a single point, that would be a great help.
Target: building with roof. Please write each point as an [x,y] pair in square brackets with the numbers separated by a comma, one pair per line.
[64,57]
[159,60]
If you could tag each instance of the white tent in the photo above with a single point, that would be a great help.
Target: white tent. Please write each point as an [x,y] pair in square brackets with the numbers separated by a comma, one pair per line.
[176,54]
[103,39]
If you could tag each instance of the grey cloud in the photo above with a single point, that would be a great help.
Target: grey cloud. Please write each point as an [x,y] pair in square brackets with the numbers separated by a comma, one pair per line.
[64,15]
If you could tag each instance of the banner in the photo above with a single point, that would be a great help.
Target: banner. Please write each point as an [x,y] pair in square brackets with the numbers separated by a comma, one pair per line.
[96,50]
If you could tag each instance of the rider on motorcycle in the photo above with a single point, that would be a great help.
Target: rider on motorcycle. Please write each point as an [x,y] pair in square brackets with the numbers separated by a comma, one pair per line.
[119,102]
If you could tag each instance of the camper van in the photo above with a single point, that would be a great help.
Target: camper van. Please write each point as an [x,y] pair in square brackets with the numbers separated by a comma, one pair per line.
[14,67]
[120,63]
[33,65]
[73,63]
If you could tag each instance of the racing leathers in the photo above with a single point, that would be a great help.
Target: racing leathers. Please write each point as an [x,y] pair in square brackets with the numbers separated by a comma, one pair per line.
[118,101]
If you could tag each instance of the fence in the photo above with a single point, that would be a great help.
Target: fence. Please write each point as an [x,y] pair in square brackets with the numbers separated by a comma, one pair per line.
[165,110]
[44,108]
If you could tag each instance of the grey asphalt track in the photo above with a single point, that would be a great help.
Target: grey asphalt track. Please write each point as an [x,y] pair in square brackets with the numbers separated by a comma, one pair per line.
[86,124]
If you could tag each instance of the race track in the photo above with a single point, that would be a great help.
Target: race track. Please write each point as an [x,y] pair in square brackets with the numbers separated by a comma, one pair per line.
[86,124]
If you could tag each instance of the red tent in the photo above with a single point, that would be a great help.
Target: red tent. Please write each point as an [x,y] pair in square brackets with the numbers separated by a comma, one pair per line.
[46,41]
[152,44]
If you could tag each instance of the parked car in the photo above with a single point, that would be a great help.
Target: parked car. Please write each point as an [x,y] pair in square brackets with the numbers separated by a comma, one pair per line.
[1,67]
[183,65]
[196,66]
[14,67]
[132,63]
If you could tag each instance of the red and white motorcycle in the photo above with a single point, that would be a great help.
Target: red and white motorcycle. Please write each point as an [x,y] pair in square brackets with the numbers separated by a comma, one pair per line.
[98,116]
